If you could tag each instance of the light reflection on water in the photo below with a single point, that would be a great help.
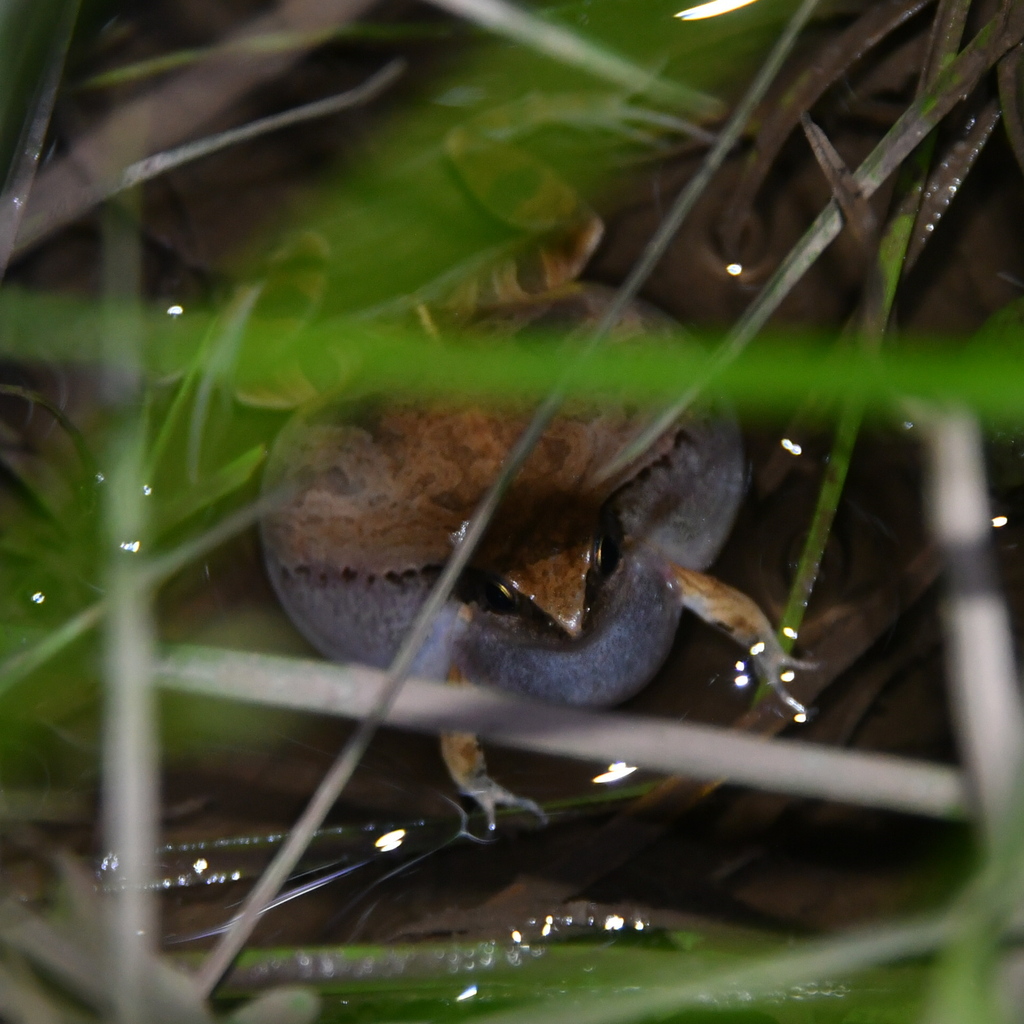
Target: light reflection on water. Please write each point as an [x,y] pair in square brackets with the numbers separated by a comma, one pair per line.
[235,858]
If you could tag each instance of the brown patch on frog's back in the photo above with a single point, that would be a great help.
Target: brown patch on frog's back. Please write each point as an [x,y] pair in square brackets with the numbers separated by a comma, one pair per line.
[391,491]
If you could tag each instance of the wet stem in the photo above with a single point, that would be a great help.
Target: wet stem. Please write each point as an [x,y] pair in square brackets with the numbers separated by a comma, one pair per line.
[821,524]
[879,298]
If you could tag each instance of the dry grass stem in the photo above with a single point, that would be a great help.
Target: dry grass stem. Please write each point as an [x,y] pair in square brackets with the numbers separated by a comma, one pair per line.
[706,752]
[130,798]
[160,163]
[983,676]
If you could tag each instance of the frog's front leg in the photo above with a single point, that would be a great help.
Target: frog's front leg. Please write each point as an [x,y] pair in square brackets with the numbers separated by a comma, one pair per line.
[735,614]
[467,766]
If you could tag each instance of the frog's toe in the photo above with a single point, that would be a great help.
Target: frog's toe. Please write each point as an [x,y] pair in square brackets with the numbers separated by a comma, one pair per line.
[468,769]
[489,795]
[777,668]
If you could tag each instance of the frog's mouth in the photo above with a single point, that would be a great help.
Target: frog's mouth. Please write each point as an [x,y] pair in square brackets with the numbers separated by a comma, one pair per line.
[555,592]
[627,635]
[498,596]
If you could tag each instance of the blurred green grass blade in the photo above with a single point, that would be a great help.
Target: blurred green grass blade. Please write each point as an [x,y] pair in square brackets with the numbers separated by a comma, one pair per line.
[69,329]
[773,377]
[219,484]
[17,637]
[504,980]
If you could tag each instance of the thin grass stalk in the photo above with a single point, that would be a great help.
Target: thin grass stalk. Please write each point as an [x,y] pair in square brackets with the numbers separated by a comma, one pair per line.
[73,433]
[884,276]
[27,661]
[129,770]
[14,197]
[813,550]
[966,984]
[1010,101]
[214,366]
[160,163]
[271,42]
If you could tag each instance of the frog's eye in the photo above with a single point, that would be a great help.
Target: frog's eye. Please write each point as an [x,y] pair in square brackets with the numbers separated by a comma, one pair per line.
[498,596]
[606,554]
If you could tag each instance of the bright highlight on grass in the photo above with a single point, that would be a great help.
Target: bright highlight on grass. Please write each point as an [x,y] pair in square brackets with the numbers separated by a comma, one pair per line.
[616,771]
[390,840]
[711,10]
[791,446]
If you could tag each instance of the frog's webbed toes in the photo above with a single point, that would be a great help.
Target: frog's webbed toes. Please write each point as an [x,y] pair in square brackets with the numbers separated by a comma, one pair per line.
[468,769]
[731,611]
[490,796]
[777,668]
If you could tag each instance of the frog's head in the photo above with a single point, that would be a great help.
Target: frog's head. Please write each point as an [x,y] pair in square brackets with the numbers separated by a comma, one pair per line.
[547,565]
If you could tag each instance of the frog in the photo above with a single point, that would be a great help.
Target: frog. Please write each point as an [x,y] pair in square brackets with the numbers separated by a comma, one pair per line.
[575,595]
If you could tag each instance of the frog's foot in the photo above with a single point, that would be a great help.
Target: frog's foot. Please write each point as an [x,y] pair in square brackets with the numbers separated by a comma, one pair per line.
[734,613]
[467,767]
